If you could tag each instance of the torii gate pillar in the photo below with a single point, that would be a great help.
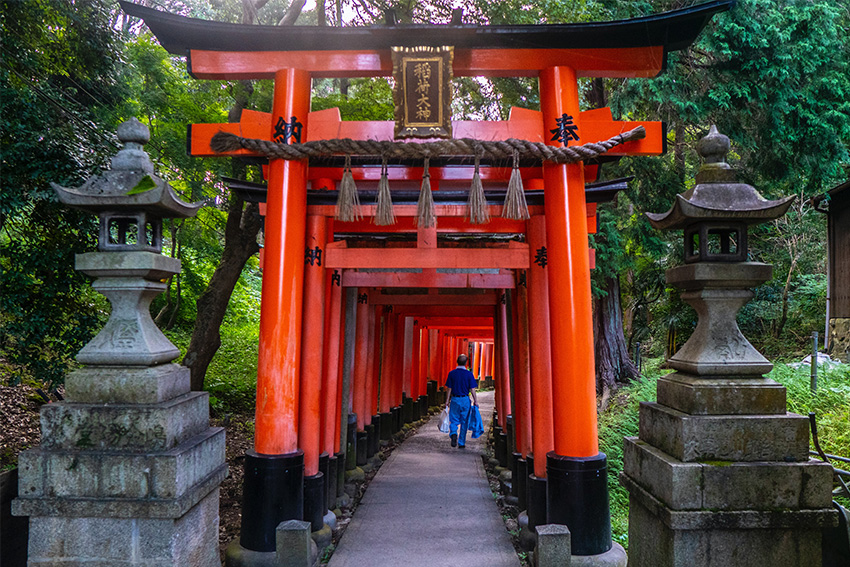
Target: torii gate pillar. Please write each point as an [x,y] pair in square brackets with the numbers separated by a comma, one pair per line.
[577,490]
[274,470]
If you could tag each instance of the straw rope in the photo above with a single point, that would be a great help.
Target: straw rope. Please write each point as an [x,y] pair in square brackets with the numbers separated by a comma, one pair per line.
[227,142]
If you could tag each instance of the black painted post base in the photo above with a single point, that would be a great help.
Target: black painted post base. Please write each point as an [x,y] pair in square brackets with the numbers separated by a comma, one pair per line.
[521,482]
[324,464]
[372,440]
[432,393]
[332,477]
[386,426]
[502,449]
[361,447]
[340,477]
[314,501]
[406,409]
[397,422]
[423,406]
[509,432]
[577,497]
[351,443]
[513,464]
[536,504]
[273,492]
[414,409]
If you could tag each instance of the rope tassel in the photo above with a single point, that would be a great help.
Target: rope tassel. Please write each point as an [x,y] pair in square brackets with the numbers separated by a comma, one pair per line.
[478,212]
[515,207]
[348,201]
[425,214]
[384,214]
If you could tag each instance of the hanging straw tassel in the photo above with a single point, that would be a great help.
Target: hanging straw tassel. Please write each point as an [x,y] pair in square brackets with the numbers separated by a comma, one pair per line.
[477,210]
[384,214]
[348,201]
[515,207]
[425,214]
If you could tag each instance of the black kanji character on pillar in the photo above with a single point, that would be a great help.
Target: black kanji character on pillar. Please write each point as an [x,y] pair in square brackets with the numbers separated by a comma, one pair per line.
[283,131]
[313,256]
[336,278]
[566,130]
[541,258]
[521,279]
[363,298]
[503,299]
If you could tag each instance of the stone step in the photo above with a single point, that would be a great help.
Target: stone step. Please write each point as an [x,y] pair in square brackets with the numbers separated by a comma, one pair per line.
[727,486]
[721,396]
[127,385]
[169,474]
[137,428]
[692,438]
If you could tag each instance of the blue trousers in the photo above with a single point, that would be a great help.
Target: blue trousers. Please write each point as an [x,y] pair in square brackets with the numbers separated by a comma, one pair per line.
[459,416]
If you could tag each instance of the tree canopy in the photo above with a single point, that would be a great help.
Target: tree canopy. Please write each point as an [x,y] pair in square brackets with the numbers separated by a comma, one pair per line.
[774,75]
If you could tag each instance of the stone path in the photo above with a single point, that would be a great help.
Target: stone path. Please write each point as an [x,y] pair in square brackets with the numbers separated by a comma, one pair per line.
[429,506]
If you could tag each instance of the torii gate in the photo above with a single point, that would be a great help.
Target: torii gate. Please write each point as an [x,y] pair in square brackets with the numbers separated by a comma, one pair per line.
[301,306]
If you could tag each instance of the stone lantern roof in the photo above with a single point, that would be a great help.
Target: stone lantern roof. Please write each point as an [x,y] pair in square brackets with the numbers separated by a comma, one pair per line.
[131,184]
[717,196]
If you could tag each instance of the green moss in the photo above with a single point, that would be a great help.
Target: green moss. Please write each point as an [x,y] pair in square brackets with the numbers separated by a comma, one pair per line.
[716,463]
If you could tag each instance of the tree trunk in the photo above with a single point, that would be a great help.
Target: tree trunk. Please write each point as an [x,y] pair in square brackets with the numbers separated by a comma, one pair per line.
[780,324]
[240,236]
[613,365]
[240,243]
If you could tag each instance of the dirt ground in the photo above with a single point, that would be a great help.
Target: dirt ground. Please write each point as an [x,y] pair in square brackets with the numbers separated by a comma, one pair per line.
[19,427]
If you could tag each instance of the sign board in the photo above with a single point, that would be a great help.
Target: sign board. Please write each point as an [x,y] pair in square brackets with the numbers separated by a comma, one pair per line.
[422,93]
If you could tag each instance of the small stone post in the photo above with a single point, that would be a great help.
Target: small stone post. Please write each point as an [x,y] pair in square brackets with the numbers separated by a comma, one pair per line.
[128,470]
[720,473]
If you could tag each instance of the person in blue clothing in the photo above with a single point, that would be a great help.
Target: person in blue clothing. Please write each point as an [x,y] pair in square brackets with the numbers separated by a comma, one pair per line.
[460,384]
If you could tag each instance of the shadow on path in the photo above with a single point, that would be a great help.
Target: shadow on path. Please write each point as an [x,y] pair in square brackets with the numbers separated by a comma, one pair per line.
[429,506]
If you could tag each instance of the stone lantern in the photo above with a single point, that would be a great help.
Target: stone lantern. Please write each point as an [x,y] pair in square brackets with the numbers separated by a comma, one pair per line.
[720,473]
[128,469]
[716,276]
[131,201]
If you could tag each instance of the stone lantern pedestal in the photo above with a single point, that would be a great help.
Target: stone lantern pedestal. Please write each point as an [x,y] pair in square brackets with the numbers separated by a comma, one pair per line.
[720,472]
[128,469]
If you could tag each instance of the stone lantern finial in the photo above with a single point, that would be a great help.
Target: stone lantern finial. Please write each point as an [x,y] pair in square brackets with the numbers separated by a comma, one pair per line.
[134,135]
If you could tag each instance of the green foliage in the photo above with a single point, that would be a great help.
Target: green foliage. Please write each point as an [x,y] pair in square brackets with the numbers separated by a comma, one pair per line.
[830,403]
[232,375]
[59,89]
[775,77]
[619,420]
[367,99]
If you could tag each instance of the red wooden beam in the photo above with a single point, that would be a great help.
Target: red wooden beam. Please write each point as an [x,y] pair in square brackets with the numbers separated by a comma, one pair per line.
[428,278]
[421,311]
[596,125]
[606,62]
[515,256]
[489,298]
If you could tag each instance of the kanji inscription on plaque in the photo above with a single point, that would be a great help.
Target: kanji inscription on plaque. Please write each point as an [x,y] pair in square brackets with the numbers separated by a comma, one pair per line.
[422,92]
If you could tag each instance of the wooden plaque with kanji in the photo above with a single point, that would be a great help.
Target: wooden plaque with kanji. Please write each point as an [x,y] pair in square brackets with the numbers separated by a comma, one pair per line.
[422,91]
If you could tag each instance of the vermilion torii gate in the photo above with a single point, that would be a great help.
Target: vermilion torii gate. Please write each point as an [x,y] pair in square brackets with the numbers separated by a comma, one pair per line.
[542,264]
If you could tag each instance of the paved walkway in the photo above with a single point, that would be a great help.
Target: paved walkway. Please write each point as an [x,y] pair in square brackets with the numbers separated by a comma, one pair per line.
[429,506]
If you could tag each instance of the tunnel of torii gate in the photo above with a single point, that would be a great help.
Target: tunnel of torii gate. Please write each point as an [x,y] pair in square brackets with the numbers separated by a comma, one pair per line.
[369,319]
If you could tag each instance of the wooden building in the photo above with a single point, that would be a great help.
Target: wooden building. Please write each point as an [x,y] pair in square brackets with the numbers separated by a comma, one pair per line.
[835,203]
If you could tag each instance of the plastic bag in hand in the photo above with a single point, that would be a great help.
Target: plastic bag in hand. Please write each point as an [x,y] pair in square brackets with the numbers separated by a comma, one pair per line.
[445,422]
